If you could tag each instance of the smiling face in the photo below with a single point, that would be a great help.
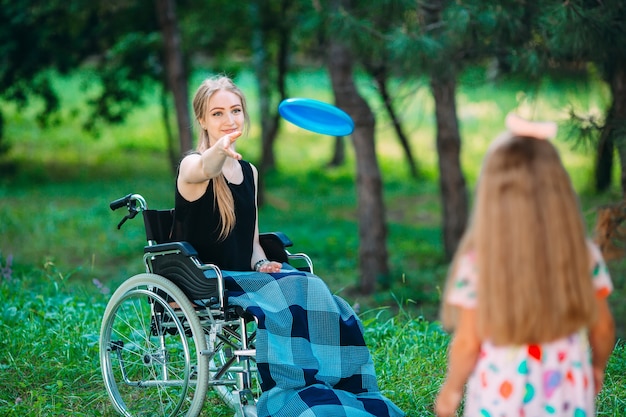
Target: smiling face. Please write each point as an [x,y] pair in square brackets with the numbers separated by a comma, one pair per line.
[213,108]
[224,114]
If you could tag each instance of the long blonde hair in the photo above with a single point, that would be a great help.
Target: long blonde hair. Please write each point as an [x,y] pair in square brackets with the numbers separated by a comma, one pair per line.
[222,194]
[527,233]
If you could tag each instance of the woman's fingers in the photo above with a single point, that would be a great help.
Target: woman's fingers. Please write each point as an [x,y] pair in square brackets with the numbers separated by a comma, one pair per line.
[233,136]
[233,154]
[271,267]
[228,140]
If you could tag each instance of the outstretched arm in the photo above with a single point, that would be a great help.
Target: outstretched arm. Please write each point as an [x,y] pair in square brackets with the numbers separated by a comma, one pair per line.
[196,169]
[209,163]
[462,358]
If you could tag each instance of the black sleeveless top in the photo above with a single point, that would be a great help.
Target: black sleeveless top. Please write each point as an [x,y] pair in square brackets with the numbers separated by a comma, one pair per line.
[198,222]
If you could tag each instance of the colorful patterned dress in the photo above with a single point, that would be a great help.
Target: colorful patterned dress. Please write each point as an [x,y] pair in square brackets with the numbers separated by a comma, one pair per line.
[547,380]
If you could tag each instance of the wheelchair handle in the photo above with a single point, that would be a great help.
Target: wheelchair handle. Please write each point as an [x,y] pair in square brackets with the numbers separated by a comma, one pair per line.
[120,202]
[135,204]
[131,201]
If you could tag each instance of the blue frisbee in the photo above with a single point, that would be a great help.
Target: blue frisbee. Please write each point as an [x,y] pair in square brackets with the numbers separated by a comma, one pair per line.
[316,116]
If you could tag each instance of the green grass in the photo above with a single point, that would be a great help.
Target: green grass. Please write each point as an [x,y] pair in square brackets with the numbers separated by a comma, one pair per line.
[49,351]
[56,227]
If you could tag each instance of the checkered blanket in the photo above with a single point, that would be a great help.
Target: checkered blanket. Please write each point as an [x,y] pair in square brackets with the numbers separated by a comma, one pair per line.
[311,355]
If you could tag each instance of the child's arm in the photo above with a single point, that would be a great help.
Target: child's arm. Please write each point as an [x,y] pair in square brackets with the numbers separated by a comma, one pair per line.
[602,340]
[462,357]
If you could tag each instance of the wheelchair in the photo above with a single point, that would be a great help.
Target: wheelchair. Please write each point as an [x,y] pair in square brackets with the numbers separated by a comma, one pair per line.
[169,335]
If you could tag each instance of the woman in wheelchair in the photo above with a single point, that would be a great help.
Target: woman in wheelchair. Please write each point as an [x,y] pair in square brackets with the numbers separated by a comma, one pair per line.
[311,355]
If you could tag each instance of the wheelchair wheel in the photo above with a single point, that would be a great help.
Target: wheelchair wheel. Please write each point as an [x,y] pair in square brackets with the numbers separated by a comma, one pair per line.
[151,350]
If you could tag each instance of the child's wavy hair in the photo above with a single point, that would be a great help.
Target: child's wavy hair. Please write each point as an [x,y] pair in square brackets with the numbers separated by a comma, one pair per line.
[528,236]
[223,196]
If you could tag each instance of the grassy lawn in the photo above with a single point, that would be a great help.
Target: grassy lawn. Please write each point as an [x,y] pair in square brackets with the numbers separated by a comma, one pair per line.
[61,254]
[49,330]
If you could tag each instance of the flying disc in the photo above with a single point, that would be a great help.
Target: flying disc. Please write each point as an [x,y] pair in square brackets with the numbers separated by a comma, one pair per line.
[316,116]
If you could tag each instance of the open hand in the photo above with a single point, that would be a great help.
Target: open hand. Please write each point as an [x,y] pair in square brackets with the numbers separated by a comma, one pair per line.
[225,143]
[447,402]
[270,267]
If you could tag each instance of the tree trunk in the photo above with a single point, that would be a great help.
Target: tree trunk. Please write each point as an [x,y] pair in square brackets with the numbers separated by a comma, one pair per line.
[174,67]
[604,158]
[259,60]
[616,119]
[262,73]
[381,80]
[454,197]
[172,153]
[372,228]
[339,152]
[451,180]
[269,120]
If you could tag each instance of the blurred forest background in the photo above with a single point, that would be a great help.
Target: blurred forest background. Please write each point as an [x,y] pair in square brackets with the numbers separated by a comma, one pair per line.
[95,104]
[95,91]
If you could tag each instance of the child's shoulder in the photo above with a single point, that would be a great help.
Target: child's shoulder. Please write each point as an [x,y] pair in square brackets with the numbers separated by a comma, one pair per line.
[594,251]
[599,270]
[463,285]
[467,262]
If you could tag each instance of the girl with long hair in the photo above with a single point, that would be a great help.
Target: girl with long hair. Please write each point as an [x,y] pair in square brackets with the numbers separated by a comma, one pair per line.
[526,291]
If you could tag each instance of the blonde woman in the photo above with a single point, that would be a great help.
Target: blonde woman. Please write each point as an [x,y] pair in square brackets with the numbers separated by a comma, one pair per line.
[526,293]
[216,189]
[311,354]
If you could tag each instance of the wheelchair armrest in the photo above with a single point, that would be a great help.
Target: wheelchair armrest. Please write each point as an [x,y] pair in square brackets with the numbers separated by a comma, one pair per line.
[274,244]
[184,247]
[278,237]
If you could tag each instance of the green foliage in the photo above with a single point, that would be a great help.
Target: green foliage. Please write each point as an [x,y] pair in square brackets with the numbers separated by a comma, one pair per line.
[64,181]
[410,354]
[60,247]
[48,347]
[42,40]
[584,30]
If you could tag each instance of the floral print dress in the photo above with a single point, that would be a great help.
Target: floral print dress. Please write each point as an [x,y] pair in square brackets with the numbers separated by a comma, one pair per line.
[550,379]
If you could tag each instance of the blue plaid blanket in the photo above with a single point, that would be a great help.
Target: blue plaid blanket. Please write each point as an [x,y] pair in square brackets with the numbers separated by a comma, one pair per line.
[311,355]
